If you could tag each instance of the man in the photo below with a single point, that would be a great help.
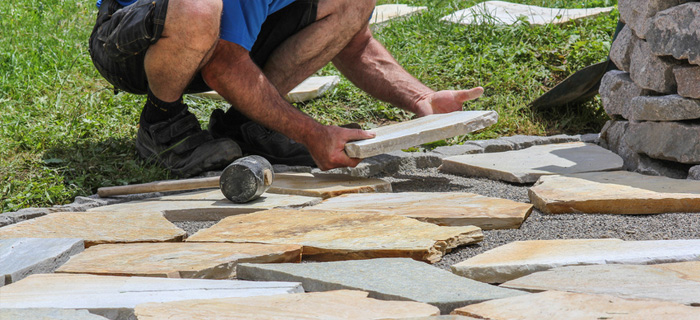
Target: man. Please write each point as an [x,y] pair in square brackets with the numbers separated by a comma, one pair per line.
[252,52]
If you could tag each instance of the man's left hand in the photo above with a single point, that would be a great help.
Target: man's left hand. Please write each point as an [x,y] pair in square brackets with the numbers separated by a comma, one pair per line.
[445,101]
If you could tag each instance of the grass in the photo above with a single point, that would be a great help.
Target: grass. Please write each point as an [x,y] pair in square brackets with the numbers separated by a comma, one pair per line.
[64,133]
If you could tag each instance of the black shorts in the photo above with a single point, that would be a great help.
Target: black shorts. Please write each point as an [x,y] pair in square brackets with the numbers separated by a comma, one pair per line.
[122,35]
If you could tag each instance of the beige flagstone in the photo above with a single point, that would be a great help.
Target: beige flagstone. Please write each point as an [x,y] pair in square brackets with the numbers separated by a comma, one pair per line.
[689,270]
[619,192]
[328,236]
[325,185]
[207,205]
[177,260]
[386,12]
[445,209]
[342,304]
[577,306]
[506,13]
[98,227]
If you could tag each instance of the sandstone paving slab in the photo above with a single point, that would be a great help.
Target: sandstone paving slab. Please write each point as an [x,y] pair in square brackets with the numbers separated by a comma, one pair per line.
[21,257]
[98,227]
[422,130]
[520,258]
[48,314]
[384,279]
[325,185]
[618,192]
[689,270]
[115,297]
[444,209]
[342,304]
[328,236]
[527,165]
[207,205]
[312,88]
[386,12]
[506,13]
[577,306]
[177,260]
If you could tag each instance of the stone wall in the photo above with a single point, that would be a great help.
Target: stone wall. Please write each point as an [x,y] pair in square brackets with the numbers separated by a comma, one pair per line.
[654,99]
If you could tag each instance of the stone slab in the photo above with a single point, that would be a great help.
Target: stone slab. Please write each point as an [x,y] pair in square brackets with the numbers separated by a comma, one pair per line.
[652,72]
[98,227]
[325,185]
[177,260]
[48,314]
[422,130]
[527,165]
[312,88]
[444,209]
[689,270]
[115,297]
[24,256]
[384,279]
[659,140]
[577,306]
[386,12]
[506,13]
[207,205]
[328,236]
[673,33]
[390,163]
[520,258]
[688,80]
[664,108]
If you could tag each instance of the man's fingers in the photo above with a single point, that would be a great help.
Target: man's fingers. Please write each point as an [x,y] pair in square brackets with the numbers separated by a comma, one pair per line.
[471,94]
[358,134]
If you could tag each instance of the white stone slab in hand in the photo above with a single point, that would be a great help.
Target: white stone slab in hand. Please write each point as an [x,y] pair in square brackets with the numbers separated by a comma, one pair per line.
[506,13]
[386,12]
[311,88]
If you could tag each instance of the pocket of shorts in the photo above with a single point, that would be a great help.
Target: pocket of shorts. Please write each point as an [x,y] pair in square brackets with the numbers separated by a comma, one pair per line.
[129,32]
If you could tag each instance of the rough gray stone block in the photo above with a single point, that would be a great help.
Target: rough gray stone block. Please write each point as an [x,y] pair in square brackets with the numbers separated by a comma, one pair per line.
[616,91]
[651,72]
[637,14]
[612,137]
[663,108]
[694,173]
[674,33]
[688,80]
[655,167]
[494,145]
[458,150]
[22,257]
[282,168]
[673,141]
[621,49]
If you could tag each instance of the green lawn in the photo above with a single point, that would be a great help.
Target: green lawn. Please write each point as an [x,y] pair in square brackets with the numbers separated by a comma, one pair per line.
[64,133]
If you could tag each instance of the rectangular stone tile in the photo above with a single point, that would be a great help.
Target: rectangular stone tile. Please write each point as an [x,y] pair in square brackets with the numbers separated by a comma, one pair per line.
[506,13]
[328,236]
[422,130]
[527,165]
[577,306]
[619,192]
[98,227]
[317,305]
[384,279]
[177,260]
[312,88]
[48,314]
[116,297]
[325,185]
[444,209]
[21,257]
[520,258]
[386,12]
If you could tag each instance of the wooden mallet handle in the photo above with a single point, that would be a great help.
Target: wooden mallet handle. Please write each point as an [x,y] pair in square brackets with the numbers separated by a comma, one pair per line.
[160,186]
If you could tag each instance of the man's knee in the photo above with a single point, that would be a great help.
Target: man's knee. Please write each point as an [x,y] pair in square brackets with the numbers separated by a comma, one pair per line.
[357,11]
[198,20]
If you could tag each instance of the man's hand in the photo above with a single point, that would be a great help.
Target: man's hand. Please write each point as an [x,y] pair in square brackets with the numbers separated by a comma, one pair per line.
[328,147]
[445,101]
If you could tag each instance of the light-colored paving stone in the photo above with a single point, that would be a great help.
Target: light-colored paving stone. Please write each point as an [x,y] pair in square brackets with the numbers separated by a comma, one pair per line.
[177,260]
[207,205]
[577,306]
[384,279]
[506,13]
[520,258]
[343,304]
[444,317]
[386,12]
[48,314]
[527,165]
[312,88]
[618,192]
[689,270]
[444,209]
[98,227]
[21,257]
[422,130]
[325,185]
[328,236]
[116,297]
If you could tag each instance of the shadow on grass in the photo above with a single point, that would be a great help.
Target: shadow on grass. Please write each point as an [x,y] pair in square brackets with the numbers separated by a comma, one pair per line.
[587,117]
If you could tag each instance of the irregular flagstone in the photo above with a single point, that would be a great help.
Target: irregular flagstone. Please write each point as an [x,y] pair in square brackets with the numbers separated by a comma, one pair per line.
[386,12]
[673,32]
[48,314]
[577,306]
[328,236]
[341,304]
[506,13]
[520,258]
[686,270]
[619,192]
[325,185]
[312,88]
[527,165]
[98,227]
[21,257]
[116,297]
[422,130]
[207,205]
[444,209]
[177,260]
[623,281]
[654,139]
[385,279]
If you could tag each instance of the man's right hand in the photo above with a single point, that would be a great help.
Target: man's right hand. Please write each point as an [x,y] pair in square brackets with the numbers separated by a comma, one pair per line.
[328,146]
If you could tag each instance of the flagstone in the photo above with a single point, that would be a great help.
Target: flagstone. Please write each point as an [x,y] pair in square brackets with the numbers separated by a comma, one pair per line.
[422,130]
[312,88]
[384,279]
[207,205]
[527,165]
[327,236]
[98,227]
[577,306]
[177,260]
[520,258]
[619,192]
[444,209]
[342,304]
[24,256]
[115,297]
[48,314]
[325,185]
[386,12]
[689,270]
[506,13]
